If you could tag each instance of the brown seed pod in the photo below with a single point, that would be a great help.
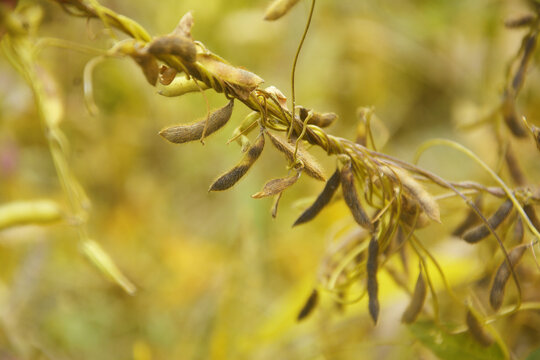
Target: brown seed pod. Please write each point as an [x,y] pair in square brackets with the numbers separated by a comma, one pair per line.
[477,330]
[519,22]
[174,45]
[480,232]
[513,167]
[321,120]
[372,284]
[166,75]
[232,176]
[510,116]
[276,186]
[417,301]
[229,73]
[184,133]
[184,26]
[148,65]
[531,214]
[470,219]
[528,46]
[311,167]
[503,274]
[351,197]
[310,304]
[322,200]
[278,8]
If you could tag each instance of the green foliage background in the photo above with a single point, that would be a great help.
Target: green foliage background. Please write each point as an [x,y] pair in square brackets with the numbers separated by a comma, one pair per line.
[217,277]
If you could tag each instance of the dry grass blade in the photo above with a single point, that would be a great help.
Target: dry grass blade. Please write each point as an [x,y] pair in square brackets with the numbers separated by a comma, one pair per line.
[477,330]
[503,274]
[351,197]
[174,45]
[185,133]
[232,176]
[311,167]
[276,186]
[309,306]
[322,200]
[279,8]
[417,301]
[372,284]
[482,231]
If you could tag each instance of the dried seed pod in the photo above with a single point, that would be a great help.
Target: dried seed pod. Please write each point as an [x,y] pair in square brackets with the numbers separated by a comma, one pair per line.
[174,45]
[276,186]
[278,8]
[148,65]
[528,46]
[478,233]
[310,304]
[417,301]
[470,219]
[184,26]
[322,200]
[503,274]
[181,85]
[531,214]
[519,231]
[311,167]
[351,197]
[372,284]
[232,176]
[229,73]
[29,212]
[525,20]
[477,330]
[510,116]
[321,120]
[513,167]
[166,75]
[184,133]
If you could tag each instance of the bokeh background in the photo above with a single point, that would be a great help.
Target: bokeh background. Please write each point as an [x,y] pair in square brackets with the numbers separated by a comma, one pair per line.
[217,277]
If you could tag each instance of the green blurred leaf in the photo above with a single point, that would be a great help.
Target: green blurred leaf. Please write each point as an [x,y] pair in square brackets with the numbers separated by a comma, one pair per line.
[449,347]
[535,355]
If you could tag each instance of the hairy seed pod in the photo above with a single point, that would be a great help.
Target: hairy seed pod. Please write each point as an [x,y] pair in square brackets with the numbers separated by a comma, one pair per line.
[480,232]
[477,330]
[470,219]
[29,212]
[351,197]
[276,186]
[531,214]
[232,176]
[321,120]
[310,304]
[181,85]
[311,167]
[372,284]
[174,45]
[322,200]
[519,22]
[417,301]
[229,73]
[148,65]
[503,274]
[184,133]
[278,8]
[166,75]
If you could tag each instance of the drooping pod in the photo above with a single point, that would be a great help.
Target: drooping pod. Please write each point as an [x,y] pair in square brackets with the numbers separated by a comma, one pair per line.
[480,232]
[372,283]
[184,133]
[470,219]
[232,176]
[503,274]
[322,200]
[278,8]
[417,301]
[309,306]
[477,330]
[350,196]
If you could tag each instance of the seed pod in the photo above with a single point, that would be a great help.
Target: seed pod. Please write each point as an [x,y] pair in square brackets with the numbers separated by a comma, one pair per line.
[174,45]
[519,231]
[510,116]
[503,274]
[181,85]
[470,219]
[531,214]
[519,22]
[477,330]
[166,75]
[513,167]
[278,8]
[536,133]
[372,284]
[184,133]
[229,73]
[29,212]
[321,120]
[276,186]
[351,197]
[322,200]
[232,176]
[528,46]
[148,65]
[310,304]
[478,233]
[417,301]
[311,167]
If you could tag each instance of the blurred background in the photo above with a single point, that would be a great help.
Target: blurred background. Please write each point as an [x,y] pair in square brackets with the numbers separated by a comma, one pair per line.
[217,277]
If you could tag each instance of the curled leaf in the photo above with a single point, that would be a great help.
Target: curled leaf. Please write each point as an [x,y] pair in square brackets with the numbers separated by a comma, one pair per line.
[166,75]
[276,186]
[184,133]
